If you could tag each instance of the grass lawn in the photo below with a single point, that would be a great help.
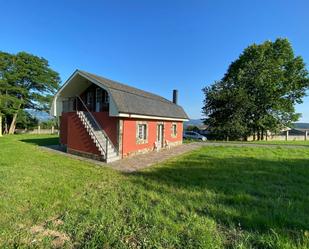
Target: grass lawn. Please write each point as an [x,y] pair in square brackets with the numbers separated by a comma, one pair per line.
[269,142]
[216,197]
[290,142]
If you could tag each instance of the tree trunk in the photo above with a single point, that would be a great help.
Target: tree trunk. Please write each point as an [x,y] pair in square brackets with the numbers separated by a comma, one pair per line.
[258,135]
[5,125]
[13,124]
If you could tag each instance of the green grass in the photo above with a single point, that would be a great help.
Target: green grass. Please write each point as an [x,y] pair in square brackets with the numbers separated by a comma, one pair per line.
[269,142]
[215,197]
[290,142]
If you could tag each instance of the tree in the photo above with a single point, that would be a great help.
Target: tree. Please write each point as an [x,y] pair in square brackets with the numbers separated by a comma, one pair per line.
[27,82]
[8,101]
[258,92]
[26,121]
[48,124]
[192,128]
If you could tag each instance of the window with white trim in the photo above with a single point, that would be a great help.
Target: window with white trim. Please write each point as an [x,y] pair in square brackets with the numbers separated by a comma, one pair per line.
[174,130]
[89,99]
[105,97]
[142,131]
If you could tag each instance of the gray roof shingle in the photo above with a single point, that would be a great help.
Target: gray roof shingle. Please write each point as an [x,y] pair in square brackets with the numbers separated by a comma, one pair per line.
[135,101]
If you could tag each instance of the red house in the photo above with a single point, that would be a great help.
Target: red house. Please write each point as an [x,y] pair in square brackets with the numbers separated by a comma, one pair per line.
[107,120]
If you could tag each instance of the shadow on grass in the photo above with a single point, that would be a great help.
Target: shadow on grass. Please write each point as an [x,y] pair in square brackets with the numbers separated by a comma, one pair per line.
[42,141]
[255,193]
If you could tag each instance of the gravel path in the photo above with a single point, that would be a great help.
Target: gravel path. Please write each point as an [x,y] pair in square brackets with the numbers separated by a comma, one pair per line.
[133,163]
[145,160]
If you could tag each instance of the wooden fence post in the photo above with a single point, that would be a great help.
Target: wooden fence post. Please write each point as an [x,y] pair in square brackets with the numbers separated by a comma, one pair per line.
[39,129]
[287,135]
[306,135]
[52,129]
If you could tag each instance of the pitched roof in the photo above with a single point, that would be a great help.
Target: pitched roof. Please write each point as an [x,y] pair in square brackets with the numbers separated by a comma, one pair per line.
[131,100]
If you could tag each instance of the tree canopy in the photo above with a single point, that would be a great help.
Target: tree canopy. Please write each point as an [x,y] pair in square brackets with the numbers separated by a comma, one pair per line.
[258,93]
[26,82]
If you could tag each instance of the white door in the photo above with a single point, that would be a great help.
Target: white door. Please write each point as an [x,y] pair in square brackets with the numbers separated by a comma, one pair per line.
[160,135]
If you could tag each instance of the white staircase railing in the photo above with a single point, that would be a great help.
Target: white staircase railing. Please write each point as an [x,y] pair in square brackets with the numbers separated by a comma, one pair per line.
[103,149]
[103,142]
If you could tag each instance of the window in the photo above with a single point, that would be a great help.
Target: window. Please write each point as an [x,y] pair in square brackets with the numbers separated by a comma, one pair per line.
[98,99]
[174,130]
[142,131]
[105,97]
[89,100]
[99,95]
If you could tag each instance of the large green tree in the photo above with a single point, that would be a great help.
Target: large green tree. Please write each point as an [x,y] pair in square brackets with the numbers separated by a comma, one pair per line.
[258,92]
[8,101]
[26,82]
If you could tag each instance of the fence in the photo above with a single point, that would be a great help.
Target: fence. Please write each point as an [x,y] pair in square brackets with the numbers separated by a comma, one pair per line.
[285,137]
[38,130]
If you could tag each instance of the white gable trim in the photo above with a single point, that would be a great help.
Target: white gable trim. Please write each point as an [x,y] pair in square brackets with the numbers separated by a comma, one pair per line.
[126,115]
[56,106]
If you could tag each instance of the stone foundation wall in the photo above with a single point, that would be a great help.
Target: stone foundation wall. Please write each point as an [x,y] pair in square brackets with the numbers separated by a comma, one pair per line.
[146,150]
[85,154]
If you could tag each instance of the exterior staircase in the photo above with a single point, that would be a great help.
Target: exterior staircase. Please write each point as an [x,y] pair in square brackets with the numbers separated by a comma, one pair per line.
[107,150]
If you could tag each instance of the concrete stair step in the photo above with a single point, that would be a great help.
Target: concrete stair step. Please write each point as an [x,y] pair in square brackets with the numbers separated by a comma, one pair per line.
[112,159]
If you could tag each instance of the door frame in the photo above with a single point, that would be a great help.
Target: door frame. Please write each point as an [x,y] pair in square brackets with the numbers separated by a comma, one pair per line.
[160,134]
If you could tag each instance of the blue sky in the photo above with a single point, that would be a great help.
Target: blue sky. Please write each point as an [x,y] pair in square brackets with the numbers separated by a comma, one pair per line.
[153,45]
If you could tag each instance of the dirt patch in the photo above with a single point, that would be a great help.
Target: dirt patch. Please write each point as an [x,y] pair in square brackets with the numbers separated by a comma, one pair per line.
[59,239]
[131,241]
[55,221]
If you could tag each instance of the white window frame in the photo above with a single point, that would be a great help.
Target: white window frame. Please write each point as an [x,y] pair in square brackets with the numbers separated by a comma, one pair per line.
[89,98]
[98,99]
[174,130]
[141,132]
[106,98]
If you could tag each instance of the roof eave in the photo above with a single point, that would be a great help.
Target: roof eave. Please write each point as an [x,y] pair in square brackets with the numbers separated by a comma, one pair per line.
[140,116]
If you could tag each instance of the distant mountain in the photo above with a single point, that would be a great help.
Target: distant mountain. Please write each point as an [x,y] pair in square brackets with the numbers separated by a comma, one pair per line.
[193,122]
[301,125]
[42,116]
